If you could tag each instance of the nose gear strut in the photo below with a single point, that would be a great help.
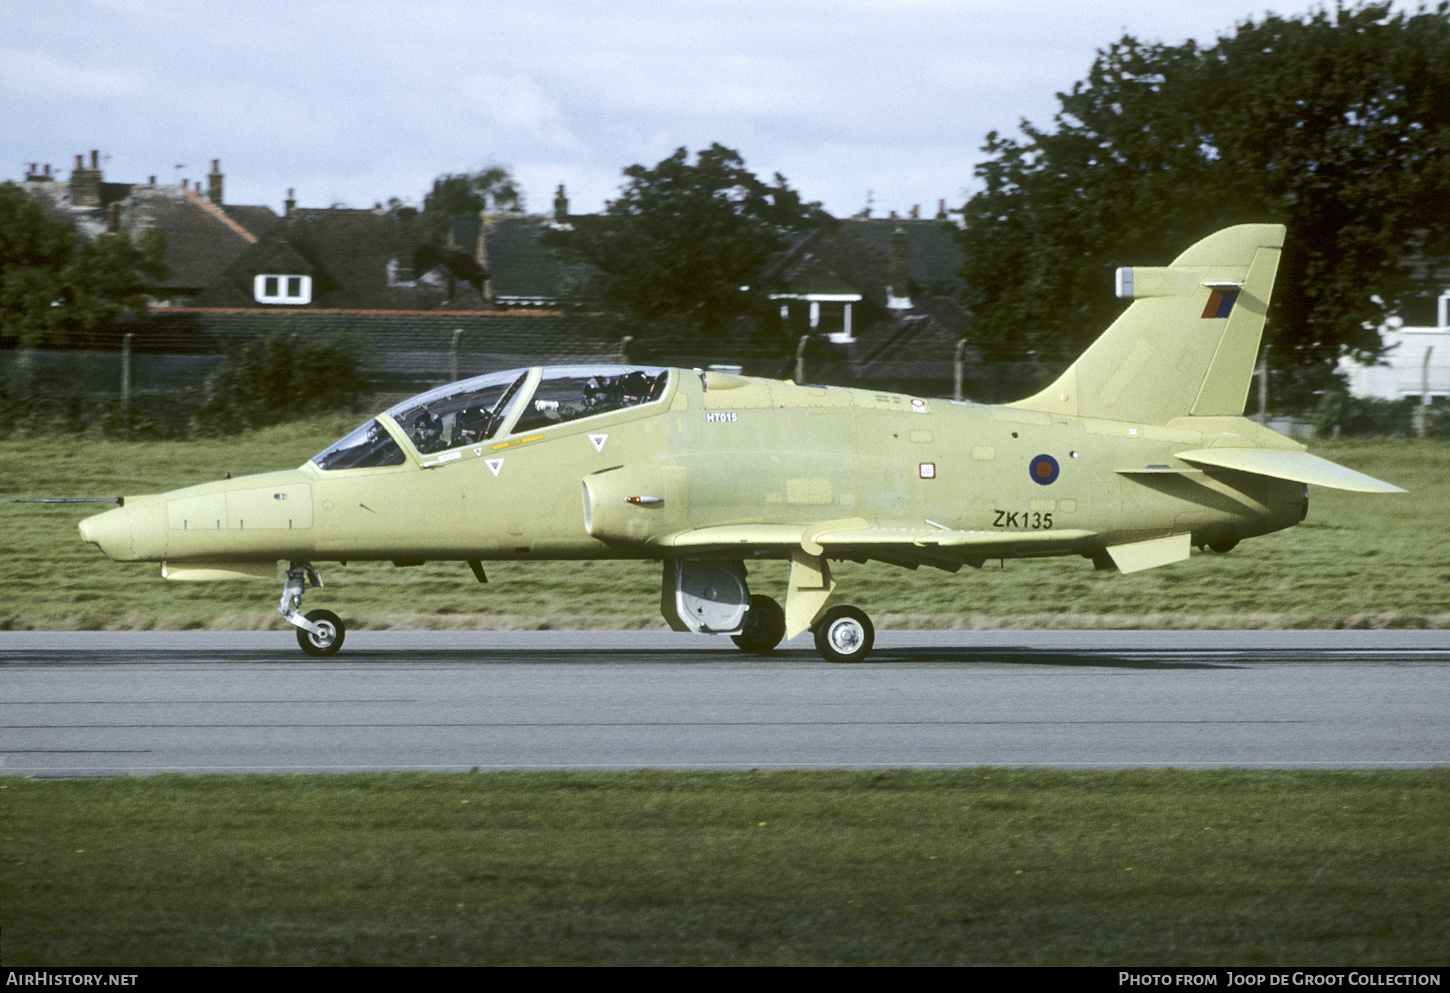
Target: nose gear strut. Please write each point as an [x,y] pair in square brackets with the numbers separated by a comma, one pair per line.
[319,632]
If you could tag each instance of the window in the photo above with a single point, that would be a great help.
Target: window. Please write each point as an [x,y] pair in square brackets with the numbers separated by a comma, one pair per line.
[279,288]
[464,413]
[568,394]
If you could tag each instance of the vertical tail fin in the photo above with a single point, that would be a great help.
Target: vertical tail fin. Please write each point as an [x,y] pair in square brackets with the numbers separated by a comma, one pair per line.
[1188,342]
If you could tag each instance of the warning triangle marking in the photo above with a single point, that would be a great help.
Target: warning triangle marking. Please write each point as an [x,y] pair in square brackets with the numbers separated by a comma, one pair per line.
[599,440]
[494,464]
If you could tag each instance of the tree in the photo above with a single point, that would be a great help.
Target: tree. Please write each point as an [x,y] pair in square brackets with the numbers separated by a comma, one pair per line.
[464,193]
[1336,124]
[680,250]
[52,284]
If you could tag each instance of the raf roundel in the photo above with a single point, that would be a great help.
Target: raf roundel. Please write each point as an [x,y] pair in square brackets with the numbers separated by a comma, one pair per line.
[1044,470]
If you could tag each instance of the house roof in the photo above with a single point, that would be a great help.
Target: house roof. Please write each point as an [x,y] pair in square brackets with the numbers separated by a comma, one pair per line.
[520,269]
[359,260]
[201,239]
[936,260]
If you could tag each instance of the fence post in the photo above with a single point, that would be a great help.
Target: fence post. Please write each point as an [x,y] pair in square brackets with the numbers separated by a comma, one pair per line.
[126,385]
[1422,412]
[1263,417]
[453,355]
[800,359]
[624,344]
[959,363]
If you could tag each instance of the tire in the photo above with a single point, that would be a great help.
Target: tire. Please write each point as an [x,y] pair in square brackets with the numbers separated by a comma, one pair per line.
[845,634]
[325,646]
[764,626]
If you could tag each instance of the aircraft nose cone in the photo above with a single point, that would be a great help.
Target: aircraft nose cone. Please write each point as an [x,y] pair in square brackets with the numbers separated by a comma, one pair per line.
[111,532]
[133,533]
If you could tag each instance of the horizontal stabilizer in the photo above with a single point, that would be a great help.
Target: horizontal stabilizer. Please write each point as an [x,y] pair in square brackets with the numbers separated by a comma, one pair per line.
[1301,467]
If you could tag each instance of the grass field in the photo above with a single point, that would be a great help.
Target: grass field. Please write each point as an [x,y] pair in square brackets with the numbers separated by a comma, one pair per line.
[974,866]
[1358,561]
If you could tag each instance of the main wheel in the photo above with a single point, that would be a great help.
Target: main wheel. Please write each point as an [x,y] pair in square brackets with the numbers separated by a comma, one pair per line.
[764,626]
[845,634]
[326,643]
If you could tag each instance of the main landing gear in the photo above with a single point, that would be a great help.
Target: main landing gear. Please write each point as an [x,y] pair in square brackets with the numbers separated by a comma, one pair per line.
[845,634]
[764,626]
[712,596]
[319,632]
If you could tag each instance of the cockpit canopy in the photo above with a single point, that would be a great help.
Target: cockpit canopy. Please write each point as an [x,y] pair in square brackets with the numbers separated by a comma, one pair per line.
[473,411]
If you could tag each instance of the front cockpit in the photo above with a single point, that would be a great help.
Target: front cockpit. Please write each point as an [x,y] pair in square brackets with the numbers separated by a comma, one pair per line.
[482,411]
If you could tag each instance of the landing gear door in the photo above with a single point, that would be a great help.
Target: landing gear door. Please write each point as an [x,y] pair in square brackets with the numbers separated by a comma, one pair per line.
[705,596]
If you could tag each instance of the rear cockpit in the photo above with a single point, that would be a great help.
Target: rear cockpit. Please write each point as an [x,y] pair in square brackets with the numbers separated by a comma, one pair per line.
[475,412]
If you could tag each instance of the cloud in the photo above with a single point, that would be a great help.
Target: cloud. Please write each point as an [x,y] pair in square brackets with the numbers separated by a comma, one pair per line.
[517,106]
[40,76]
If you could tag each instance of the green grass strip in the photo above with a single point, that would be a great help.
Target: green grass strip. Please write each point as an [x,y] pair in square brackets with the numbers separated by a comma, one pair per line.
[973,866]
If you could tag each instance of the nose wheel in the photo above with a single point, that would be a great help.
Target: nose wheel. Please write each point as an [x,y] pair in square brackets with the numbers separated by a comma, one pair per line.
[327,637]
[845,634]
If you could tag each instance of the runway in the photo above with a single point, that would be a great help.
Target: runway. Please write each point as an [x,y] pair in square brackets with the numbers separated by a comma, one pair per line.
[123,703]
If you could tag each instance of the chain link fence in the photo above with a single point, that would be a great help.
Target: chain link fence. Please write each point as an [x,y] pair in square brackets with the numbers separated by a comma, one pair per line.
[129,391]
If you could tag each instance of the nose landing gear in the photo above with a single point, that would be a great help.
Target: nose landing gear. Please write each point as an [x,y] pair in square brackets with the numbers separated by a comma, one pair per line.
[319,632]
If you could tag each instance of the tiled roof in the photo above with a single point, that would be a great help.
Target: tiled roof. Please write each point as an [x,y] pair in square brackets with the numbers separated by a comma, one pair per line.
[201,240]
[936,261]
[259,220]
[359,260]
[520,269]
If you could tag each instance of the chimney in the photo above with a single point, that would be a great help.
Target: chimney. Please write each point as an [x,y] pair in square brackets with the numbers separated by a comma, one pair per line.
[915,211]
[153,181]
[941,210]
[561,207]
[288,204]
[898,271]
[214,182]
[85,184]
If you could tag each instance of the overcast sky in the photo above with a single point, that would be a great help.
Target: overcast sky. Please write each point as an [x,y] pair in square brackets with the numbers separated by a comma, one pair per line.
[360,101]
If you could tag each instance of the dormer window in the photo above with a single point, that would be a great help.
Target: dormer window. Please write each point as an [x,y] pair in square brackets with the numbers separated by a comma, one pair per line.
[295,290]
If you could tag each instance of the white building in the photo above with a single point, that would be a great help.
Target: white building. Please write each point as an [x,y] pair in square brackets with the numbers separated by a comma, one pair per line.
[1416,359]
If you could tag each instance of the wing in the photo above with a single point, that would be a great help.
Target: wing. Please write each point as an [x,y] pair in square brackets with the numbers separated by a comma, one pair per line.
[856,538]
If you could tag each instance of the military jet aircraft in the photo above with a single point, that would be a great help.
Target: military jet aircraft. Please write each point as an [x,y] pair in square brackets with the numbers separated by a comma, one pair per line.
[1135,455]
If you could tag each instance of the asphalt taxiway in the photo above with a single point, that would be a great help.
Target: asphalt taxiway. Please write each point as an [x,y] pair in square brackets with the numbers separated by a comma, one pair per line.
[117,703]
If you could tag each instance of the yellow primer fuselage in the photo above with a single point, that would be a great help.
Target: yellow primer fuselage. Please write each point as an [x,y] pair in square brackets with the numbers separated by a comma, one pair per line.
[774,463]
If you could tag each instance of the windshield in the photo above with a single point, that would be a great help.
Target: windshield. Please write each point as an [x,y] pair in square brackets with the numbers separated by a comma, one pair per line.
[369,447]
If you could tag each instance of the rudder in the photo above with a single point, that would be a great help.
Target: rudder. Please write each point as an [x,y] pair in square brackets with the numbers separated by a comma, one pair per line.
[1188,342]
